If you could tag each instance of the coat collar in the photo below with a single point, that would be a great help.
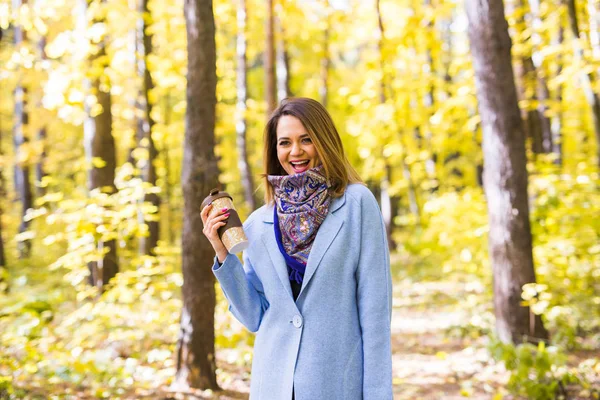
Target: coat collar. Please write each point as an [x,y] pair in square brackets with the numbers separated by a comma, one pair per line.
[325,236]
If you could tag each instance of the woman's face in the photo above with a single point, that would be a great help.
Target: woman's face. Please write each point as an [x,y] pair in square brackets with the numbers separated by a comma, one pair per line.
[295,150]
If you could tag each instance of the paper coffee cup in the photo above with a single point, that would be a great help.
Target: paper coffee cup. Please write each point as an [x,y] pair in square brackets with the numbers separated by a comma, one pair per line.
[232,234]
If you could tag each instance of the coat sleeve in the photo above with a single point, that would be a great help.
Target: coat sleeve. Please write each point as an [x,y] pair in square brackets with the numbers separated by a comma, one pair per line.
[374,299]
[243,290]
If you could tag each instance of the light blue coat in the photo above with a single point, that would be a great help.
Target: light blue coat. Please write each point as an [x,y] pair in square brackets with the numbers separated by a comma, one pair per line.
[334,341]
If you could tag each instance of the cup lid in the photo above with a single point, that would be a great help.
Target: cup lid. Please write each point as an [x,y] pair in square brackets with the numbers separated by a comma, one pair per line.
[214,195]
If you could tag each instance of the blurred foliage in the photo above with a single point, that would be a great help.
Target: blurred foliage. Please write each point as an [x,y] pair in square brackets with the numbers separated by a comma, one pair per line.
[65,337]
[538,371]
[451,244]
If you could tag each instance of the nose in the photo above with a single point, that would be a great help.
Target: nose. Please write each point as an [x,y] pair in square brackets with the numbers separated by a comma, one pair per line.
[296,149]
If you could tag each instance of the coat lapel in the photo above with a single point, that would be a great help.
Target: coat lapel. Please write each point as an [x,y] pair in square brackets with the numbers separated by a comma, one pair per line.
[325,236]
[327,232]
[268,238]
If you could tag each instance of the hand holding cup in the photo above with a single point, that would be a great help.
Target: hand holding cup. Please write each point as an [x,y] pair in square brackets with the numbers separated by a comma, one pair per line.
[222,224]
[212,222]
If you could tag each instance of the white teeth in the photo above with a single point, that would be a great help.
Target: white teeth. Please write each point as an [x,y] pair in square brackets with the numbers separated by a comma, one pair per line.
[300,163]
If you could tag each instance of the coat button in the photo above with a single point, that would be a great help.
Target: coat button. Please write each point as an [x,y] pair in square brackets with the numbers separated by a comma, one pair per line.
[297,321]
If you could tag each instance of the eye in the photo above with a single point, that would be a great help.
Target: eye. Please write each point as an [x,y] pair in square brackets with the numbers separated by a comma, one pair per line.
[283,143]
[306,140]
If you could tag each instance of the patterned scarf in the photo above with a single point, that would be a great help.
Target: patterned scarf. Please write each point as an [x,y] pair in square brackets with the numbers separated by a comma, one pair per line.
[302,203]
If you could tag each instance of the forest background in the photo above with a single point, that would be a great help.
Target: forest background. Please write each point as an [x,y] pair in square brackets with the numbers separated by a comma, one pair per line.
[118,116]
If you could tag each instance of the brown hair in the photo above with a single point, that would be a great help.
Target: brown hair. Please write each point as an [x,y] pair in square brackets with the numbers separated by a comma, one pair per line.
[323,134]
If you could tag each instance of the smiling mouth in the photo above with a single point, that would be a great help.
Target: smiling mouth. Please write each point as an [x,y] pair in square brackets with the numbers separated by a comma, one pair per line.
[300,166]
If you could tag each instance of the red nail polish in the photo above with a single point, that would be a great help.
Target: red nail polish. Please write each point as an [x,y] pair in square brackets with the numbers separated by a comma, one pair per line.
[224,209]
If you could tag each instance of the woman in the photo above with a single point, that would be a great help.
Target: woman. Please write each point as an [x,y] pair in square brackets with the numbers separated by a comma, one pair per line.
[315,281]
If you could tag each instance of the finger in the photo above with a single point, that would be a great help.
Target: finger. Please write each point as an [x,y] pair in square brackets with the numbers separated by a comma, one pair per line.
[215,219]
[221,217]
[206,210]
[216,227]
[204,213]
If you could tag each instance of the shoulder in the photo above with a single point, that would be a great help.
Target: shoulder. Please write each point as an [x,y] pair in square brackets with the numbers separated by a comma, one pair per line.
[361,201]
[257,215]
[360,194]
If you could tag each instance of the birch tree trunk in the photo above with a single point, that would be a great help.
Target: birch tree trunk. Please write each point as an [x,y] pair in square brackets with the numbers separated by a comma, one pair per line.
[283,64]
[241,124]
[588,79]
[145,123]
[42,134]
[557,145]
[21,121]
[505,173]
[552,136]
[594,18]
[429,100]
[196,362]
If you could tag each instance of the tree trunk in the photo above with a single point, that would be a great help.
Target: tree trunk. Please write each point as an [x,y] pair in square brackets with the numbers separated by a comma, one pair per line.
[382,86]
[386,204]
[283,64]
[144,127]
[429,100]
[241,108]
[505,173]
[542,91]
[325,60]
[543,96]
[3,272]
[132,100]
[167,159]
[532,87]
[447,54]
[99,144]
[539,81]
[589,79]
[413,202]
[196,344]
[269,61]
[594,15]
[557,120]
[21,120]
[386,200]
[42,135]
[40,173]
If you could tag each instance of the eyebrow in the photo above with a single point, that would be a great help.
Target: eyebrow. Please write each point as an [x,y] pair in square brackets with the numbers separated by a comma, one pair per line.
[301,137]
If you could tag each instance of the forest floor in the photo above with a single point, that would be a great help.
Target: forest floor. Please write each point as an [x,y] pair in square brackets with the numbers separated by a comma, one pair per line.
[435,355]
[430,359]
[439,345]
[438,352]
